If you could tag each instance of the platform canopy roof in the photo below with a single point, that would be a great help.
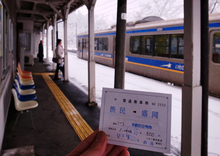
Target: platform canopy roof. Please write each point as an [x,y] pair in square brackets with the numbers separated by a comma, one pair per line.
[42,11]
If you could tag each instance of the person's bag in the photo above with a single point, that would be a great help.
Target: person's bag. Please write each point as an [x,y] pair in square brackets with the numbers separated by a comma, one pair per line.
[55,60]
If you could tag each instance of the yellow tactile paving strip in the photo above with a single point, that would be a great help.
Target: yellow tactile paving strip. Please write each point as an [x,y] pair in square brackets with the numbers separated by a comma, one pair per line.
[80,126]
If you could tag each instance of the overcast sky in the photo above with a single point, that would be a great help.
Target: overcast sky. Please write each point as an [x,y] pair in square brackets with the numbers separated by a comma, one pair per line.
[108,8]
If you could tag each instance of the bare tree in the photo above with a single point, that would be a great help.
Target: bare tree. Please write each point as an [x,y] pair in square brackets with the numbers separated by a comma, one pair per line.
[166,9]
[214,6]
[101,22]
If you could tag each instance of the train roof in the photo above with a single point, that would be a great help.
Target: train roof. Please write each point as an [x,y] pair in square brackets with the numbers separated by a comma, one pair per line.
[155,24]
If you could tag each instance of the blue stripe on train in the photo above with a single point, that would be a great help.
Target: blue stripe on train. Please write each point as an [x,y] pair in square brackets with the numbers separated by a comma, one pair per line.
[107,55]
[211,25]
[141,31]
[106,34]
[82,36]
[157,63]
[173,28]
[150,62]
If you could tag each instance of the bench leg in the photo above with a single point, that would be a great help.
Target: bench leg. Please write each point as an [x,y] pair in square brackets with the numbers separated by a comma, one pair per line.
[32,120]
[16,121]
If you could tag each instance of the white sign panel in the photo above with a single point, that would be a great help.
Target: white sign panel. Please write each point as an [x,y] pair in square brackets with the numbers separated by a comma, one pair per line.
[136,119]
[123,16]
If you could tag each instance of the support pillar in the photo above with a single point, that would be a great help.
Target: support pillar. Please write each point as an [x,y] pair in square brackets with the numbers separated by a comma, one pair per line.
[66,67]
[54,38]
[191,90]
[47,56]
[42,34]
[91,58]
[120,44]
[205,73]
[57,31]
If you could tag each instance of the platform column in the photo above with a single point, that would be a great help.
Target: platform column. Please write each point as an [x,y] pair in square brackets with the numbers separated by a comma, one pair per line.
[205,73]
[191,90]
[42,34]
[47,56]
[54,38]
[66,67]
[91,57]
[120,44]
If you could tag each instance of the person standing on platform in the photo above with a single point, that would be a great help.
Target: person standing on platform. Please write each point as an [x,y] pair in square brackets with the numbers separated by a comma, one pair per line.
[41,51]
[59,54]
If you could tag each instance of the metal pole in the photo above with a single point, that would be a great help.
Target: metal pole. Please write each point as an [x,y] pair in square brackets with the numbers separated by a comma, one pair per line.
[91,58]
[120,44]
[204,74]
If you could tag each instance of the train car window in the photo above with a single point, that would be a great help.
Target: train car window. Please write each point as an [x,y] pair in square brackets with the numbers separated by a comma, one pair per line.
[135,45]
[216,48]
[105,44]
[101,44]
[96,43]
[84,43]
[147,45]
[177,46]
[79,45]
[162,45]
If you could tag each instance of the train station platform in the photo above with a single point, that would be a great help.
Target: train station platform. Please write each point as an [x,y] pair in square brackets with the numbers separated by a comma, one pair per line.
[62,119]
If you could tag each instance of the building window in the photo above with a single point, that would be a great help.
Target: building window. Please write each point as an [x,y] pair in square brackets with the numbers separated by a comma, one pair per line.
[25,41]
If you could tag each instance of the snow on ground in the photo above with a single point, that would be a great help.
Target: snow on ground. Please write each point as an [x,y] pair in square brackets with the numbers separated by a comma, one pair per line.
[78,73]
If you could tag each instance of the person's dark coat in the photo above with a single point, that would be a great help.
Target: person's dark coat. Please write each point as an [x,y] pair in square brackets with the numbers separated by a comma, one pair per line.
[40,50]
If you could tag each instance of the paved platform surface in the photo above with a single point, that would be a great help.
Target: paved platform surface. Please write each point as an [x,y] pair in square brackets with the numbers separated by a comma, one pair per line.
[53,135]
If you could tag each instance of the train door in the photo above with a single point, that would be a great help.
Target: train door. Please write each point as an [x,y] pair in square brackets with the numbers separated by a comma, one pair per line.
[114,50]
[214,62]
[79,51]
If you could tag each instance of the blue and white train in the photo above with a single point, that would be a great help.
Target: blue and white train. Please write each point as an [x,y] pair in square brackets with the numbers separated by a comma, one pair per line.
[155,50]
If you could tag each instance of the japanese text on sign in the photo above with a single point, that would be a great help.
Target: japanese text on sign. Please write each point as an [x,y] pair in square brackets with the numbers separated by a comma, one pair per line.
[136,119]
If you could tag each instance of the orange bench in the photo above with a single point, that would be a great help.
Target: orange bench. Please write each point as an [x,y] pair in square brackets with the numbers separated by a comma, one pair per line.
[24,76]
[23,71]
